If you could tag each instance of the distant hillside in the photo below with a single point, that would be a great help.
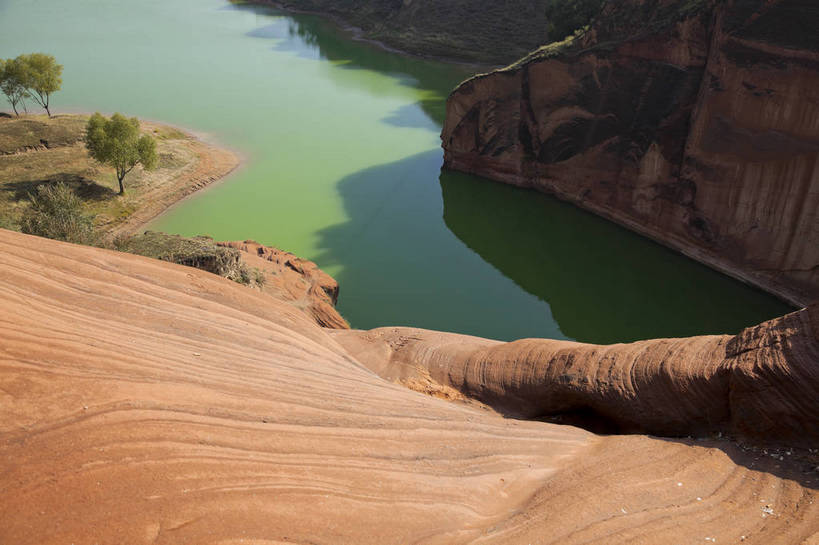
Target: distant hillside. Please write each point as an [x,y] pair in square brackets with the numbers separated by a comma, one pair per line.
[470,30]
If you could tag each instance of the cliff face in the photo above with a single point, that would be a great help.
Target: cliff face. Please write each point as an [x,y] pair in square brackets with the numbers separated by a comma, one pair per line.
[695,123]
[144,402]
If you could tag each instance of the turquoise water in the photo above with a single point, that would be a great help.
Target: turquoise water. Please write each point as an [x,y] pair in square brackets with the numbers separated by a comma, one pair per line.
[343,167]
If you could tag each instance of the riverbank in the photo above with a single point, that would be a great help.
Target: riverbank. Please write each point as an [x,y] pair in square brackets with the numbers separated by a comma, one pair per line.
[37,150]
[479,50]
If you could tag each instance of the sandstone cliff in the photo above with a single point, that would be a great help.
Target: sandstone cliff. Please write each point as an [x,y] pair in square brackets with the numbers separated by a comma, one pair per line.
[144,402]
[695,123]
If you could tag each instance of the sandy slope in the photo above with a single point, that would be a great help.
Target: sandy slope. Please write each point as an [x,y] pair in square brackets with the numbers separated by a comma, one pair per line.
[144,402]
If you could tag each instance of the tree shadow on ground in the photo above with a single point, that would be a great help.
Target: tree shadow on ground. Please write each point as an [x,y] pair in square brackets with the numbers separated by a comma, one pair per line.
[85,188]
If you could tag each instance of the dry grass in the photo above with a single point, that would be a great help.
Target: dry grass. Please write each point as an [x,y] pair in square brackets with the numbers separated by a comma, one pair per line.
[35,150]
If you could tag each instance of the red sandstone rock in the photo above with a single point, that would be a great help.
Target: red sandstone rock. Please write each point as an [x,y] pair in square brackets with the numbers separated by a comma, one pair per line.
[295,279]
[697,127]
[762,384]
[143,402]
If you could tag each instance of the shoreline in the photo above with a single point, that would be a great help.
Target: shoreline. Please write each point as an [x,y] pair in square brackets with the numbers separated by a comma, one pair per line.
[761,282]
[213,165]
[206,162]
[357,34]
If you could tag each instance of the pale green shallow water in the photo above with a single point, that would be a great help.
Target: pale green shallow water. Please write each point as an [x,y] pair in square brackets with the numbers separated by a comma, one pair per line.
[343,167]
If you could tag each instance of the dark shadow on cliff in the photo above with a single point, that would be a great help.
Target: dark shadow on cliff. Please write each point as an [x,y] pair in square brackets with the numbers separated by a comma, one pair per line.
[604,284]
[314,37]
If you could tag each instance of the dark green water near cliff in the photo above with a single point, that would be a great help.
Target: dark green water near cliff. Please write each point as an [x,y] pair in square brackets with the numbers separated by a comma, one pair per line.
[343,167]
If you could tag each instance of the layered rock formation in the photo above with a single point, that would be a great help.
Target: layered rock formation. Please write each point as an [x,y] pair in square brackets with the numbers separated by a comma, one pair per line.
[694,123]
[761,384]
[296,280]
[147,402]
[281,274]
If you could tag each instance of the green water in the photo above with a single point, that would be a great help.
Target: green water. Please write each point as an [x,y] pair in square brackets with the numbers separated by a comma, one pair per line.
[343,167]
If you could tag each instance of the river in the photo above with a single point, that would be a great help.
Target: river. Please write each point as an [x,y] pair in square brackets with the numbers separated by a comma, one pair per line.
[343,167]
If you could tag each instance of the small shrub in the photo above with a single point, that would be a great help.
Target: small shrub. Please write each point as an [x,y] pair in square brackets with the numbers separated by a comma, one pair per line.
[259,277]
[56,212]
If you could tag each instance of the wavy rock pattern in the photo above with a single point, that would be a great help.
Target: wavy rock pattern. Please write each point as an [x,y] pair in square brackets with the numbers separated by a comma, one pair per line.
[294,279]
[762,384]
[146,402]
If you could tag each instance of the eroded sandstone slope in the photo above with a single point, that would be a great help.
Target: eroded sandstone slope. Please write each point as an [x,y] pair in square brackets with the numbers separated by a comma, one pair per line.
[762,384]
[147,402]
[693,122]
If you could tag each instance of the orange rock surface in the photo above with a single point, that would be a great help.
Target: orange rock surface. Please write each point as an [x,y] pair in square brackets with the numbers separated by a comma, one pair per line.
[762,384]
[294,279]
[147,402]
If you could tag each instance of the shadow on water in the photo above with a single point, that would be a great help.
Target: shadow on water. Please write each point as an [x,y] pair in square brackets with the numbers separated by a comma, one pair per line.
[604,283]
[395,254]
[315,37]
[520,264]
[398,262]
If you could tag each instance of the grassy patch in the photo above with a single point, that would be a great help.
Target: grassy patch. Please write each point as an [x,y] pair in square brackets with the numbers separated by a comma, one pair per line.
[36,151]
[30,132]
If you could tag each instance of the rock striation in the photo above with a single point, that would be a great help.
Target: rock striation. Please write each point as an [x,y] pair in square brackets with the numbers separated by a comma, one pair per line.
[145,402]
[299,281]
[694,123]
[761,384]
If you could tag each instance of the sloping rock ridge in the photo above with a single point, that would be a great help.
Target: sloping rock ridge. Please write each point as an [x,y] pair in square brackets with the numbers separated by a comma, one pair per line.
[694,122]
[297,280]
[145,402]
[761,384]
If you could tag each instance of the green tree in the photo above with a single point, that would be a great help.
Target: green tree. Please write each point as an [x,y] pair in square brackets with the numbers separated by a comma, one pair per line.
[56,212]
[42,77]
[566,16]
[117,142]
[12,83]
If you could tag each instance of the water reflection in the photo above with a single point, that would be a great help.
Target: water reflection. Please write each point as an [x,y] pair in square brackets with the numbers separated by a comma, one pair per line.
[604,284]
[314,37]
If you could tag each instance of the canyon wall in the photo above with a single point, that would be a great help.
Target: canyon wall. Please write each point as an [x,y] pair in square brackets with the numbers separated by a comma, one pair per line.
[694,123]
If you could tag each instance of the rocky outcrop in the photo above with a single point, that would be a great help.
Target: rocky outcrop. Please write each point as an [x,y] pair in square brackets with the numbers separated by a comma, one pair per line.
[298,281]
[694,123]
[281,274]
[761,384]
[144,402]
